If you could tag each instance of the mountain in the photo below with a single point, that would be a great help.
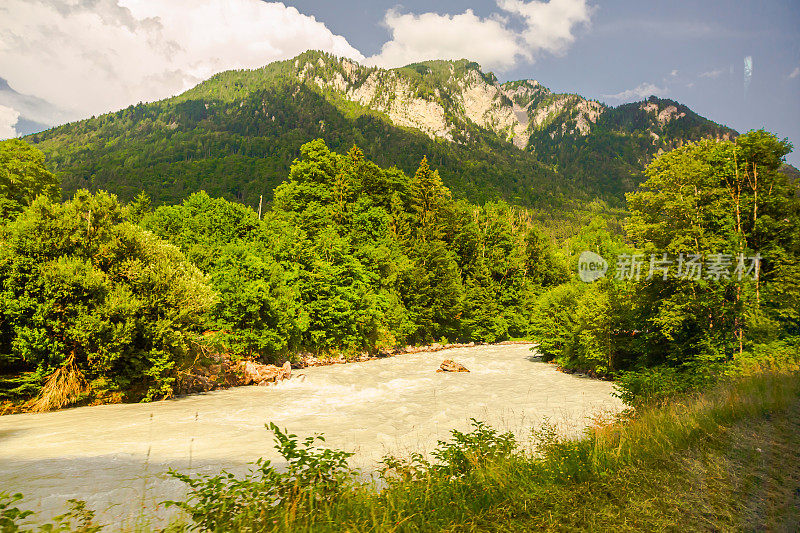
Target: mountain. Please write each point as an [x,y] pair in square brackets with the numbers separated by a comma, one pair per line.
[236,134]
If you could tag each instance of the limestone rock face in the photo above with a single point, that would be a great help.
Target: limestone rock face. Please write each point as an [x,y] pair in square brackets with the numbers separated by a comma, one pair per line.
[449,365]
[440,103]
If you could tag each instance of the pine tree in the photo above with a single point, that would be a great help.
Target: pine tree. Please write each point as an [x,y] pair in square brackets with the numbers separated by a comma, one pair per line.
[428,197]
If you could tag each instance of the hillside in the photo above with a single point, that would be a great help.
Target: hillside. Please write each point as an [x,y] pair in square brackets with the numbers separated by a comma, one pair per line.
[236,134]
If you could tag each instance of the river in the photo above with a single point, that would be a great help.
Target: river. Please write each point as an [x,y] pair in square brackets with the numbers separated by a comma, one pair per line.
[115,456]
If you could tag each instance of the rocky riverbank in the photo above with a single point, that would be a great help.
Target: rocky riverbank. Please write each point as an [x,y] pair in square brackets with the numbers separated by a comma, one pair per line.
[219,371]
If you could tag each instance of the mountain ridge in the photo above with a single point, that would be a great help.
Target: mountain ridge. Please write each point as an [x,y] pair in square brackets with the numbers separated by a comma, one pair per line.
[236,133]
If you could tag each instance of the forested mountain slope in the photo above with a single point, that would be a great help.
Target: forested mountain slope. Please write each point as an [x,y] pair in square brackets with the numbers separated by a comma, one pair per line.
[236,134]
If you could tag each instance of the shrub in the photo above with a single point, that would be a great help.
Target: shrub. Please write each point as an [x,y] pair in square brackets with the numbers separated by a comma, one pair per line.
[473,450]
[86,297]
[78,519]
[653,385]
[313,476]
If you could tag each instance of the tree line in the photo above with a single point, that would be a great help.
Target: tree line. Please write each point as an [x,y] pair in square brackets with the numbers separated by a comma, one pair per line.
[350,258]
[109,300]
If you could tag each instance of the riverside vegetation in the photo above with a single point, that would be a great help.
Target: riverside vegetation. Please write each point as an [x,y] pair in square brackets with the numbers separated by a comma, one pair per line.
[102,301]
[723,460]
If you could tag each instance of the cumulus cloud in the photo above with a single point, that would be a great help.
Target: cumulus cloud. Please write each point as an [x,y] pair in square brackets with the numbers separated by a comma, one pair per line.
[492,41]
[433,36]
[549,25]
[8,119]
[795,73]
[637,93]
[83,57]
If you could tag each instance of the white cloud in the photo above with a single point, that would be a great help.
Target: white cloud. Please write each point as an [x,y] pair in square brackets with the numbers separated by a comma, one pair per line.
[637,93]
[711,74]
[795,73]
[491,41]
[8,119]
[549,24]
[84,57]
[433,36]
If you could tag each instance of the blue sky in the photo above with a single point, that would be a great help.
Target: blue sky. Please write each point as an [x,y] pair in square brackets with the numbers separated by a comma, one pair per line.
[62,60]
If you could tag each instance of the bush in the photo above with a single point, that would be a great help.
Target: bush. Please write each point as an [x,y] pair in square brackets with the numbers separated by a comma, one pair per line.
[90,303]
[475,449]
[654,385]
[78,519]
[313,476]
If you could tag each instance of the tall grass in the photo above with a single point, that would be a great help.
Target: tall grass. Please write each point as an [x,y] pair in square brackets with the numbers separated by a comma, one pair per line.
[63,387]
[563,484]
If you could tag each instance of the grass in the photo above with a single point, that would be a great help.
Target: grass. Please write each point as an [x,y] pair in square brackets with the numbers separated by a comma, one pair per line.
[724,460]
[63,387]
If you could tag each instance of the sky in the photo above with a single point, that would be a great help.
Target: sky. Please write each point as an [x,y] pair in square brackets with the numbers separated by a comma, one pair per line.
[735,62]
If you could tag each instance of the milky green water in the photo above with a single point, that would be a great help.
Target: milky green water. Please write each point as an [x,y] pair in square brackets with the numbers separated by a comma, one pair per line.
[115,456]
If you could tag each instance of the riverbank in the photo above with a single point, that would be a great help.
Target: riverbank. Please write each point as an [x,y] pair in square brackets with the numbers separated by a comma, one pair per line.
[217,371]
[726,460]
[309,360]
[115,456]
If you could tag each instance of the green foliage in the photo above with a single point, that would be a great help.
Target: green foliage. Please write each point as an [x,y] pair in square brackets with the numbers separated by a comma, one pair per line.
[706,198]
[582,326]
[473,450]
[428,198]
[354,257]
[78,519]
[256,308]
[9,516]
[654,385]
[82,287]
[553,321]
[23,177]
[139,207]
[313,477]
[717,198]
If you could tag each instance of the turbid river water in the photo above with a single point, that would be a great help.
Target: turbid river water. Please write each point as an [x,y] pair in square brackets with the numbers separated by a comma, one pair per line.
[115,456]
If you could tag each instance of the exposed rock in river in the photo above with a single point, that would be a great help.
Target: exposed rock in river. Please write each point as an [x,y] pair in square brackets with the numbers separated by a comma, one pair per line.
[259,374]
[449,365]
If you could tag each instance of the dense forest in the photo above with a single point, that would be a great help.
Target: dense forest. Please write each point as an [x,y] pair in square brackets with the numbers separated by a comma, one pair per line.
[350,258]
[104,300]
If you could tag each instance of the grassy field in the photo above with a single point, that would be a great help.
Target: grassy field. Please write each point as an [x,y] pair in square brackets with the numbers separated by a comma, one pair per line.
[725,460]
